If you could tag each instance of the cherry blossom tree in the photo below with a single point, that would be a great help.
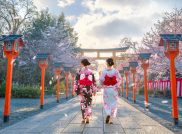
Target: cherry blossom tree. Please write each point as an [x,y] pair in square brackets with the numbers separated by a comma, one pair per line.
[47,34]
[14,14]
[159,64]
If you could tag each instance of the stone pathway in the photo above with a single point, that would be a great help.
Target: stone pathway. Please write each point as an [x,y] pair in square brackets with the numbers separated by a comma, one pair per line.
[21,108]
[66,118]
[159,110]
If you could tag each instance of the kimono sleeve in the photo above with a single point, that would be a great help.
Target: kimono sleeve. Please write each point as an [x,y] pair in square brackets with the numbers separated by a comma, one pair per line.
[94,84]
[76,84]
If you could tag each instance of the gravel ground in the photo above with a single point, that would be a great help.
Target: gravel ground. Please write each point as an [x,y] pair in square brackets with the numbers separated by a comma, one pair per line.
[159,110]
[23,108]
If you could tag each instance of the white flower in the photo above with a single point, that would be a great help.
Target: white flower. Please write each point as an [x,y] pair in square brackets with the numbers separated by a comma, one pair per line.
[82,76]
[90,77]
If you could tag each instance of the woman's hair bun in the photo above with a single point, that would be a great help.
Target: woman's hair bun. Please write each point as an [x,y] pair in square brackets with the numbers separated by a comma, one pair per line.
[85,62]
[110,61]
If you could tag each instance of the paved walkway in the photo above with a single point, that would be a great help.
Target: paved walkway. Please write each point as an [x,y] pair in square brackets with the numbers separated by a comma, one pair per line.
[66,118]
[160,110]
[21,108]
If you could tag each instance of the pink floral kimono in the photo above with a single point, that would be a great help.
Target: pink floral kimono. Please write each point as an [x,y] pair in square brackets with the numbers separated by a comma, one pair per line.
[85,83]
[111,80]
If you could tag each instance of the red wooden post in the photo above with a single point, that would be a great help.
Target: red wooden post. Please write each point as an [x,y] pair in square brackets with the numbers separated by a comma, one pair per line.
[11,48]
[122,86]
[171,46]
[8,88]
[42,59]
[144,57]
[145,67]
[73,79]
[134,86]
[133,66]
[43,65]
[58,73]
[122,82]
[126,75]
[67,83]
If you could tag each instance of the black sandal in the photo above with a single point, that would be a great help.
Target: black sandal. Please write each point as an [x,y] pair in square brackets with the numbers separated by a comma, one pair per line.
[107,119]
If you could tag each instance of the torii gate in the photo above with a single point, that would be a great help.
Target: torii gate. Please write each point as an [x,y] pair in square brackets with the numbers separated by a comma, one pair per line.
[114,52]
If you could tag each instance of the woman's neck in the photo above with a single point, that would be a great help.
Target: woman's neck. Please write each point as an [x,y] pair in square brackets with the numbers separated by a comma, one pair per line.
[85,67]
[109,68]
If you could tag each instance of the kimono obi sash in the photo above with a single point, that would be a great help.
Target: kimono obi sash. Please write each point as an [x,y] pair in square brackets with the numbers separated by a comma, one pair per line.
[110,81]
[86,79]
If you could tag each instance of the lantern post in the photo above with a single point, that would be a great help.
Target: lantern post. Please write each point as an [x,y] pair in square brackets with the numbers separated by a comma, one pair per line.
[42,59]
[122,81]
[171,50]
[126,73]
[57,72]
[11,48]
[133,65]
[67,69]
[144,57]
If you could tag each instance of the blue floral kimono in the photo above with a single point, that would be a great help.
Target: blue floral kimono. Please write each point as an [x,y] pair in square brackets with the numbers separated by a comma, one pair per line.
[110,91]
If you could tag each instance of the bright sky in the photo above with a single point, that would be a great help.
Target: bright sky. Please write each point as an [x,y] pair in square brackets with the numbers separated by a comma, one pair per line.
[102,23]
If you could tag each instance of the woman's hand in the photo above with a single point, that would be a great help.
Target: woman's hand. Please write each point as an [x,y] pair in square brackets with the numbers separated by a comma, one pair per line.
[94,93]
[82,94]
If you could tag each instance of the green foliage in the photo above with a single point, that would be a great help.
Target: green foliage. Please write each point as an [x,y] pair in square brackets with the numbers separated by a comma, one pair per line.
[52,88]
[21,91]
[141,91]
[29,72]
[29,91]
[50,91]
[28,76]
[62,86]
[2,68]
[34,36]
[42,20]
[2,88]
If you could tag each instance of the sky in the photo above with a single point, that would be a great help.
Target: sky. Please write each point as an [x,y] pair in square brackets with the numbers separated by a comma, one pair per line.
[103,23]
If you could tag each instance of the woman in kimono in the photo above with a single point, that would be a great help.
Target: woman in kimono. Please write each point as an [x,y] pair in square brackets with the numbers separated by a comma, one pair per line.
[84,87]
[110,79]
